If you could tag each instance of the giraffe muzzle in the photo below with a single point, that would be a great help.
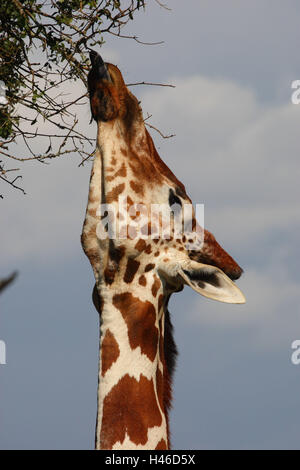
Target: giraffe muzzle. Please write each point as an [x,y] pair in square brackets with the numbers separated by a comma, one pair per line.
[98,66]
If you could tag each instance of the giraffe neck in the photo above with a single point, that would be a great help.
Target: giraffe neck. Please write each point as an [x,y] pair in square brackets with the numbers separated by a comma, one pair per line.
[131,407]
[133,386]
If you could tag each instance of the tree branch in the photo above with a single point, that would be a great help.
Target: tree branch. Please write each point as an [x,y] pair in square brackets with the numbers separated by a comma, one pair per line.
[5,282]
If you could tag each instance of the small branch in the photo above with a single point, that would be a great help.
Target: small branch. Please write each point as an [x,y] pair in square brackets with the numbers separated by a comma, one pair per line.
[152,84]
[163,5]
[135,38]
[86,158]
[160,133]
[6,142]
[8,280]
[11,183]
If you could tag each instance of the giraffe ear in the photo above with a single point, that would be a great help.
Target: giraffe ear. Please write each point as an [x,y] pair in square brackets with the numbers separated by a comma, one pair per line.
[211,282]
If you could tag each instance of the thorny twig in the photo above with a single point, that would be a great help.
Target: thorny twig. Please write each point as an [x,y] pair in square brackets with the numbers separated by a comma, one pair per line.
[3,177]
[149,116]
[160,133]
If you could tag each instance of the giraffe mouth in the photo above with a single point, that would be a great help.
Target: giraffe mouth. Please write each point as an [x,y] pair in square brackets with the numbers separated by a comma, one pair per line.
[229,267]
[99,67]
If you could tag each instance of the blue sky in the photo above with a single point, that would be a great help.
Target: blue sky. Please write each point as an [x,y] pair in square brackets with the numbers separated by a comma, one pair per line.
[236,150]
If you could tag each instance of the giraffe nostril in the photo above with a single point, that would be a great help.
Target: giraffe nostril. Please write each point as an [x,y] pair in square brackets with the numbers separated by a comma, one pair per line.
[235,274]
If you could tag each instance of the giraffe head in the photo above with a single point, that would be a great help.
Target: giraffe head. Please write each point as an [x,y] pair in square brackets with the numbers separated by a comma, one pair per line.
[163,242]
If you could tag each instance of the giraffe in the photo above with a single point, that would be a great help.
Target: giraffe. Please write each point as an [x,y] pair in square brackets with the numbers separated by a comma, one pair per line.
[136,271]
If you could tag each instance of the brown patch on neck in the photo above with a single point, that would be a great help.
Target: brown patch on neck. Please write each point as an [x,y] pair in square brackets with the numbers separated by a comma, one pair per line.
[131,269]
[129,202]
[140,318]
[137,187]
[115,193]
[149,267]
[109,351]
[148,249]
[155,286]
[140,245]
[130,407]
[142,280]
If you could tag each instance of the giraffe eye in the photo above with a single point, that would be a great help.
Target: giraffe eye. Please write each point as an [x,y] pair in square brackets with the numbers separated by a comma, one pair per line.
[173,199]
